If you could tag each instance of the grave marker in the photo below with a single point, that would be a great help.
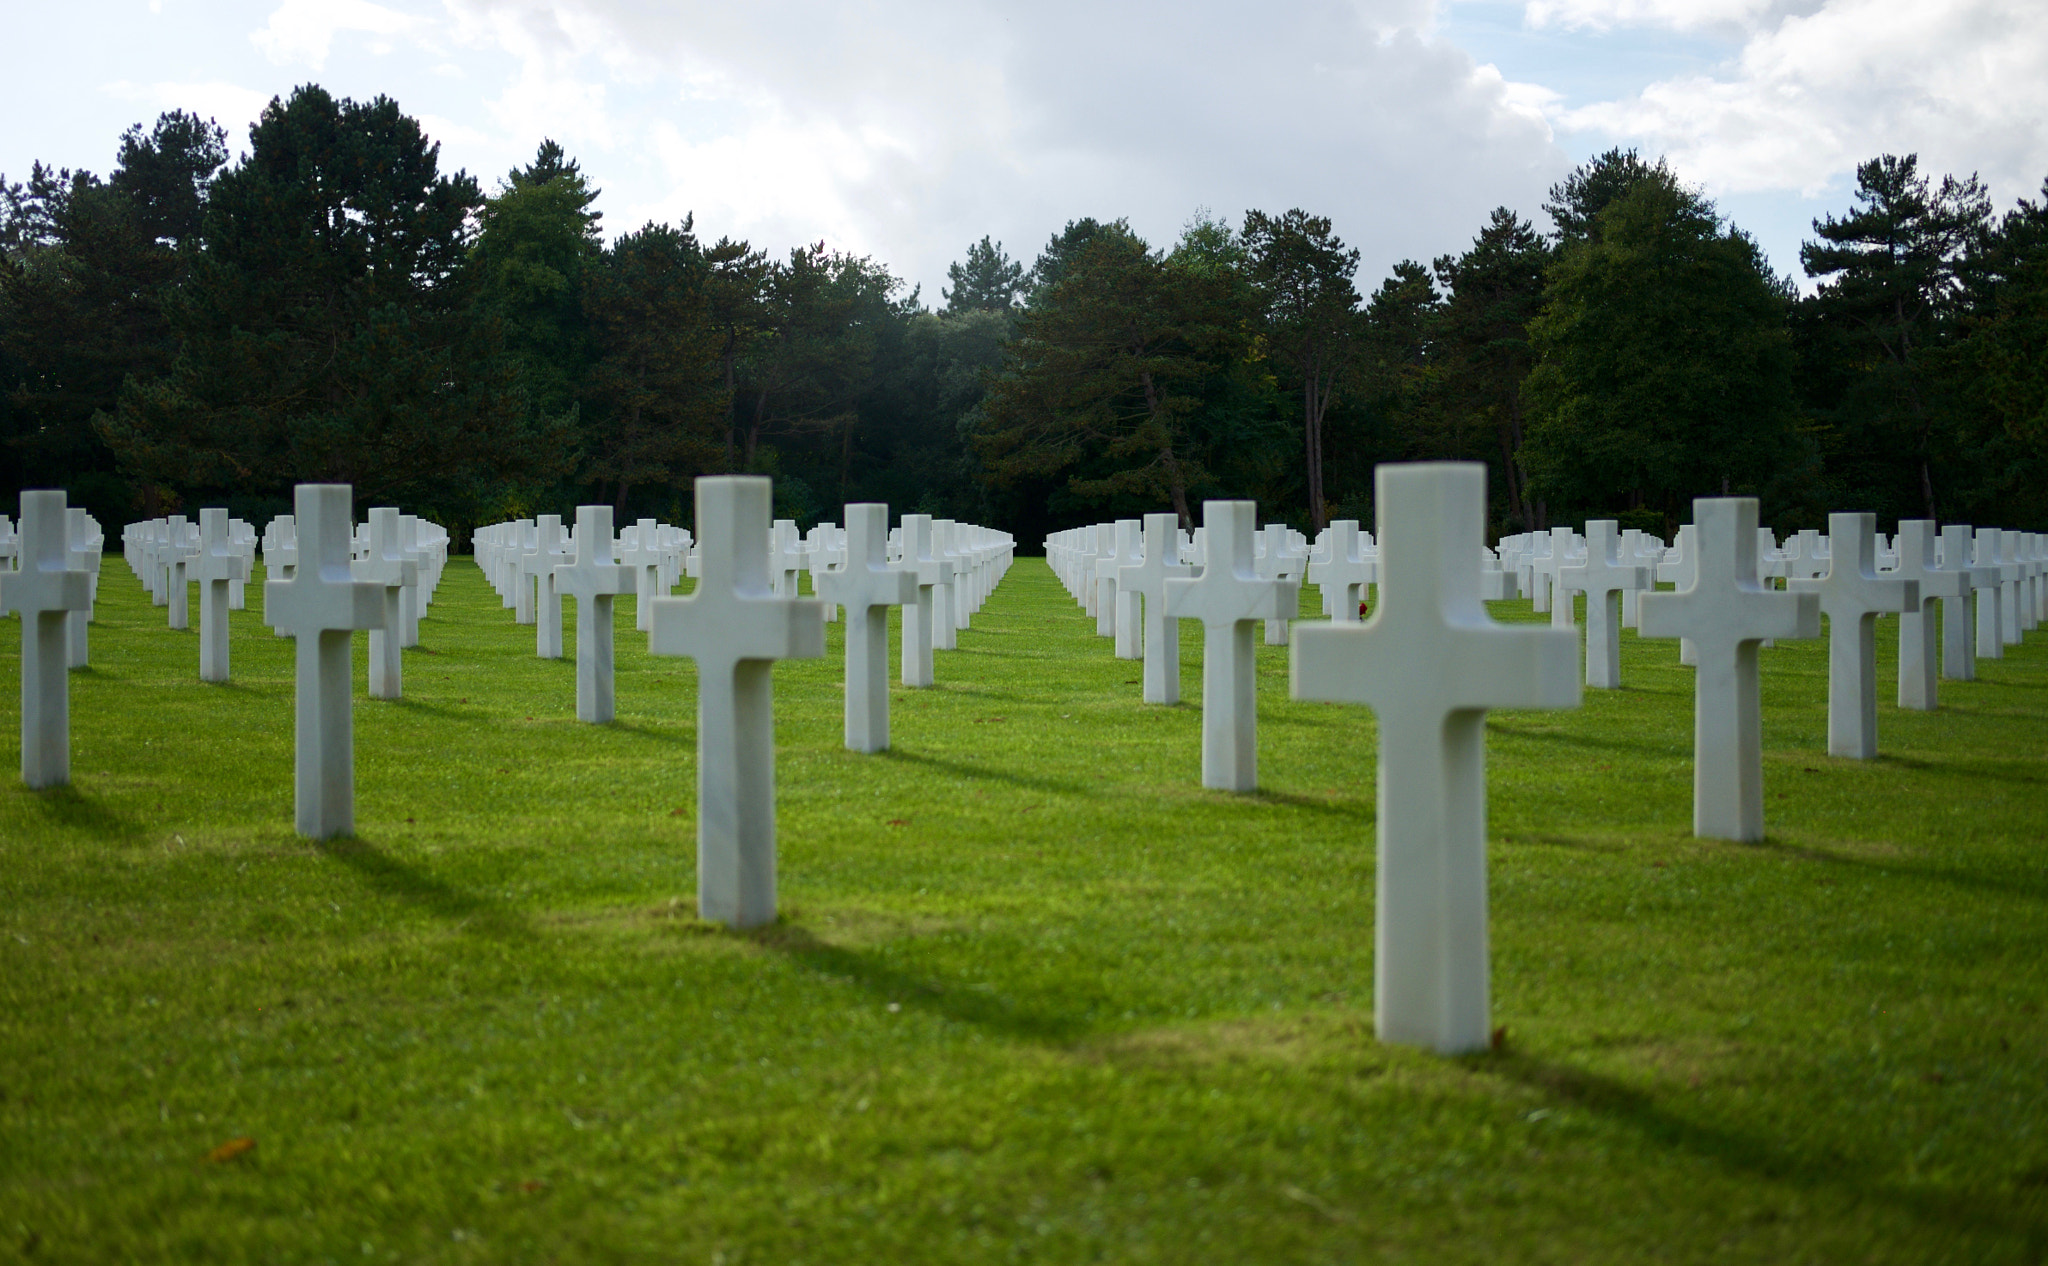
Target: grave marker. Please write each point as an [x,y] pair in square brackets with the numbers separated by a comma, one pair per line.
[1852,593]
[215,564]
[1430,663]
[388,568]
[594,580]
[1604,575]
[867,586]
[1145,581]
[320,607]
[1919,649]
[44,592]
[1229,598]
[735,628]
[1727,613]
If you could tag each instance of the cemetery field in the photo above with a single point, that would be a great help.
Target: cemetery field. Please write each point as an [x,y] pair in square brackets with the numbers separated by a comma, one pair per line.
[1035,995]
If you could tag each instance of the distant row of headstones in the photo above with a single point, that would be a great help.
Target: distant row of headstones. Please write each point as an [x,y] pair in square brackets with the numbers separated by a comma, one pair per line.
[327,579]
[1431,662]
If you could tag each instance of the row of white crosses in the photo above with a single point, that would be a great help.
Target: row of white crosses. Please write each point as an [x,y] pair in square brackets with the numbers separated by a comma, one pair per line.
[218,553]
[532,565]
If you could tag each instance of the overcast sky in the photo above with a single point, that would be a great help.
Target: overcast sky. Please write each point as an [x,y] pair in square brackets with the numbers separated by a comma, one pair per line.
[906,129]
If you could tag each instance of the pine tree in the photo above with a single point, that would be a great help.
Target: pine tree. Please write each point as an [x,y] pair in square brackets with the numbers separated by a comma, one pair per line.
[986,281]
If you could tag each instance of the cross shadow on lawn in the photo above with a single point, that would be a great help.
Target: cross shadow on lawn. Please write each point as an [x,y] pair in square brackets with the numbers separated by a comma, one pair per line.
[1047,786]
[1989,771]
[949,1001]
[390,877]
[1765,1157]
[2003,885]
[75,810]
[1637,746]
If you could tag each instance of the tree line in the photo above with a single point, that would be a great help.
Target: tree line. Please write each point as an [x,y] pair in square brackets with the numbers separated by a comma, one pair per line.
[333,306]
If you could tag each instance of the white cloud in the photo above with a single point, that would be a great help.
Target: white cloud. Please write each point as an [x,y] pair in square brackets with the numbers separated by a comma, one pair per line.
[231,105]
[304,30]
[909,131]
[1964,84]
[1677,15]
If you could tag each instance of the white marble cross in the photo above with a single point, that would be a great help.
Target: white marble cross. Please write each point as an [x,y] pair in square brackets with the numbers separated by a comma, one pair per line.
[932,572]
[1680,566]
[44,592]
[216,564]
[1726,613]
[1990,594]
[1145,582]
[594,580]
[1919,649]
[177,557]
[1852,593]
[547,600]
[388,568]
[1229,598]
[1602,576]
[1343,576]
[319,607]
[735,628]
[867,586]
[1430,663]
[1130,639]
[82,546]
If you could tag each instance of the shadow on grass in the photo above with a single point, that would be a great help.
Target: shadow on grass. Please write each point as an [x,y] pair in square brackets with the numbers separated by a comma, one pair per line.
[1638,746]
[1317,804]
[949,1001]
[2015,885]
[680,735]
[410,704]
[1999,771]
[75,810]
[978,773]
[390,877]
[1627,1106]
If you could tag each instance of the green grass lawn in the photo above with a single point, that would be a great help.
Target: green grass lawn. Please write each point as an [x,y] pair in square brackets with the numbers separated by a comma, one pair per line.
[1035,995]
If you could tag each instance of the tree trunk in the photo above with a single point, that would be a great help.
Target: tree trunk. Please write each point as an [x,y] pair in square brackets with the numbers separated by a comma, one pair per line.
[1313,402]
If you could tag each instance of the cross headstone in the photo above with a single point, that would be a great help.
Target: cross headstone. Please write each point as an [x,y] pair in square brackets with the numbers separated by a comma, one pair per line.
[320,607]
[867,586]
[1604,574]
[1919,648]
[1229,598]
[1990,596]
[735,628]
[177,558]
[1430,663]
[44,592]
[1344,575]
[216,564]
[1145,582]
[594,580]
[643,555]
[1852,593]
[81,550]
[388,568]
[551,553]
[919,617]
[1680,567]
[1726,613]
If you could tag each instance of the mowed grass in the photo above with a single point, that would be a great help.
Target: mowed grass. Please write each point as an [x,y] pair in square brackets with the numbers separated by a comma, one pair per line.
[1035,995]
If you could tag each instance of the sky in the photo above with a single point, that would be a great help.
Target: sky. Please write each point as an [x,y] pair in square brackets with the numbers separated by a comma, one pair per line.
[907,129]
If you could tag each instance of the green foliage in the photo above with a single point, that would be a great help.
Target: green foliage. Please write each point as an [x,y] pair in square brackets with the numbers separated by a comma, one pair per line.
[538,240]
[1665,366]
[1302,273]
[656,404]
[1106,377]
[1891,289]
[987,281]
[1035,994]
[328,333]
